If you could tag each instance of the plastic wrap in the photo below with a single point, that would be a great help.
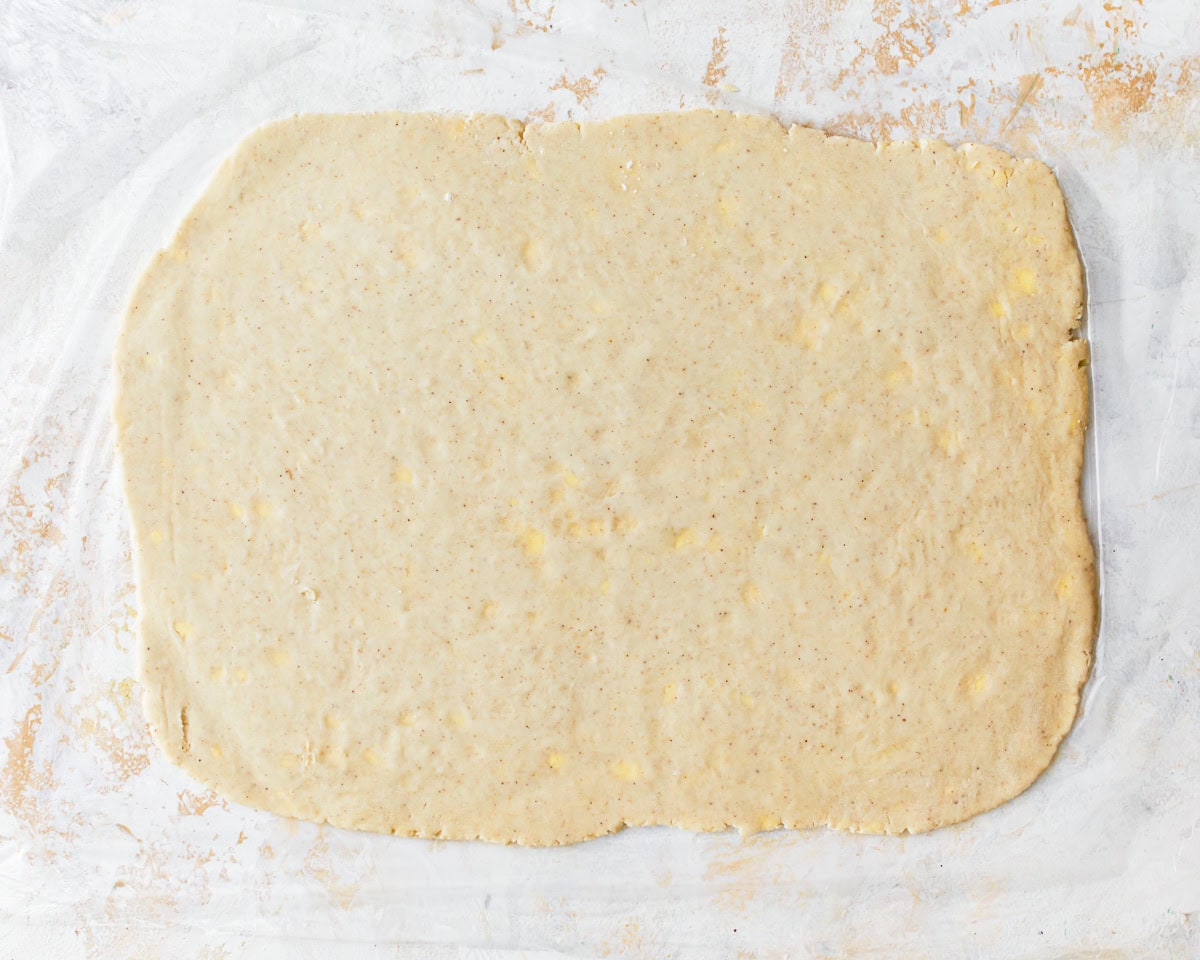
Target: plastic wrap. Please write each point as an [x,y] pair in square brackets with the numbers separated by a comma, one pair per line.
[112,118]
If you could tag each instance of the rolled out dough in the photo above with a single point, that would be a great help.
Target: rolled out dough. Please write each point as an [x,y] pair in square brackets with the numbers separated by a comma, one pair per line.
[526,482]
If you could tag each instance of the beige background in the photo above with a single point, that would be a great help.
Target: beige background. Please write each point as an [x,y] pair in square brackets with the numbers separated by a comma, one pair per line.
[113,116]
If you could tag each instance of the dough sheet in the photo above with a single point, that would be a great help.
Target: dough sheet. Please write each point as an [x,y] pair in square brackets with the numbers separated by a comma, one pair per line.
[525,482]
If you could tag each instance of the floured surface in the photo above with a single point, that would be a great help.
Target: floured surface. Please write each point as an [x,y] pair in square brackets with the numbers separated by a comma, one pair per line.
[679,470]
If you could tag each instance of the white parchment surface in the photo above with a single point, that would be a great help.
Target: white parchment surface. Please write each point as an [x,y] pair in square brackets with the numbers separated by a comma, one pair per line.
[113,115]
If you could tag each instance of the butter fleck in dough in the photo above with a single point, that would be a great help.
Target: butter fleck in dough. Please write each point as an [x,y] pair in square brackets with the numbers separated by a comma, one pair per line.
[527,482]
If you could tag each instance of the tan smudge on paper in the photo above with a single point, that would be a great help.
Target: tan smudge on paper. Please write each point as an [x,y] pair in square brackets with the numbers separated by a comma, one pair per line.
[629,938]
[120,692]
[915,120]
[584,87]
[531,17]
[715,71]
[807,41]
[744,867]
[790,57]
[528,17]
[318,864]
[906,40]
[152,879]
[1120,76]
[1119,79]
[39,673]
[1119,86]
[921,119]
[1172,116]
[1027,93]
[23,778]
[127,753]
[1116,86]
[631,941]
[966,107]
[194,804]
[545,114]
[19,562]
[113,731]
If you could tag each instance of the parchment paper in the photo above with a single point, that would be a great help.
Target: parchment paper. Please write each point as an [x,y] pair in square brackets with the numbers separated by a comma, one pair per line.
[112,118]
